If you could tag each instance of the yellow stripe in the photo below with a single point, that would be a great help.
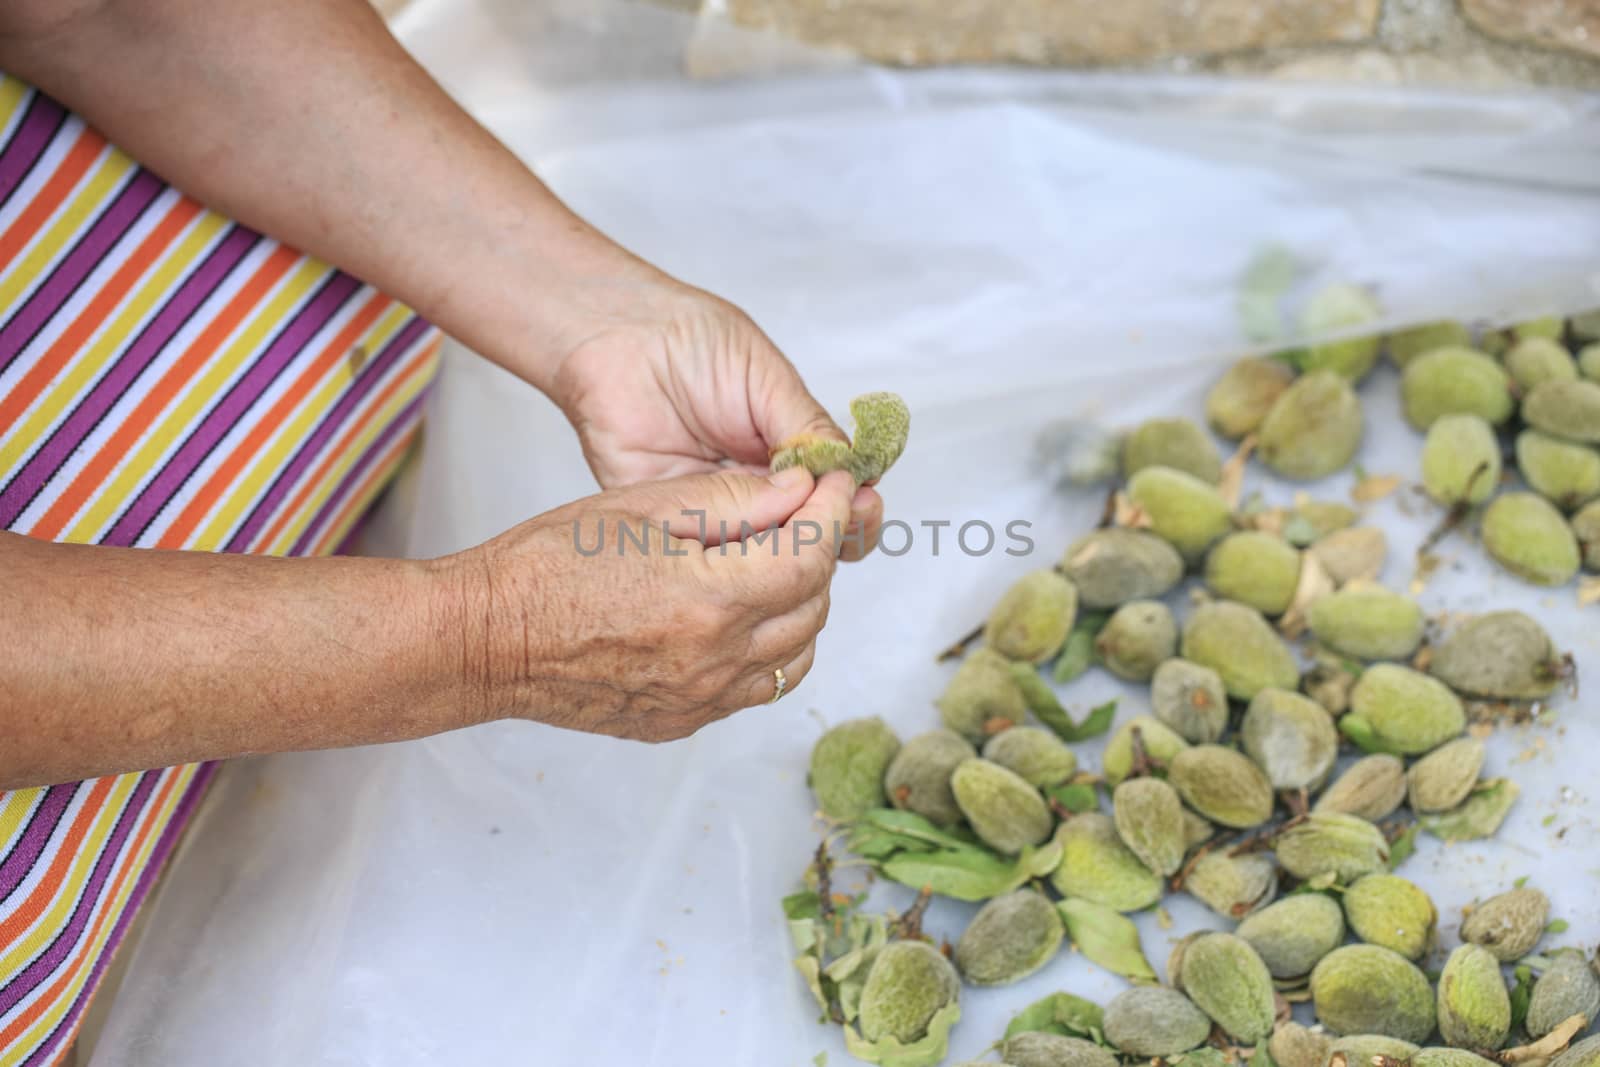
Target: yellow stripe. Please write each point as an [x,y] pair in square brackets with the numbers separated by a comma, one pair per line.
[198,395]
[48,925]
[14,807]
[352,453]
[12,93]
[52,1017]
[85,367]
[85,201]
[252,482]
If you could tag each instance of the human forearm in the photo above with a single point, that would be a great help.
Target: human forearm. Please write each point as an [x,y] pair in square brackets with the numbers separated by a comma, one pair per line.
[306,120]
[123,659]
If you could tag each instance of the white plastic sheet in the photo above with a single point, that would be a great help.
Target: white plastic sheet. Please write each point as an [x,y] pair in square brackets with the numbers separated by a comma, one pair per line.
[1003,249]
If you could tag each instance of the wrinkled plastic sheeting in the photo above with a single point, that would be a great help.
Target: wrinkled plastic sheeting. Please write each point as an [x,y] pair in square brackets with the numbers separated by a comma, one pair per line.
[1005,249]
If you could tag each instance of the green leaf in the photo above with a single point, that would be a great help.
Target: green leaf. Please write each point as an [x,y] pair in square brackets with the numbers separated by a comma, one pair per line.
[1059,1013]
[1521,995]
[1041,700]
[962,875]
[1480,815]
[1557,926]
[1078,653]
[1106,937]
[883,831]
[1076,797]
[1520,882]
[1403,846]
[802,905]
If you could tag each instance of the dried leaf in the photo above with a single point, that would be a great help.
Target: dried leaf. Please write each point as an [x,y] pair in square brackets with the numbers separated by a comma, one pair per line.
[1428,564]
[1124,512]
[1231,484]
[1588,590]
[1314,584]
[1374,487]
[1548,1046]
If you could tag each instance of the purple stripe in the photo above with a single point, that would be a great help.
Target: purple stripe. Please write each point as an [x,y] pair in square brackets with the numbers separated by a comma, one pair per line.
[226,413]
[141,889]
[42,466]
[90,250]
[365,382]
[402,421]
[29,978]
[46,817]
[27,143]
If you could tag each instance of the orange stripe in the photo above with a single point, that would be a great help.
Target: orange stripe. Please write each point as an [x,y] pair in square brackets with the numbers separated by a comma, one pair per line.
[83,152]
[14,925]
[122,441]
[78,333]
[356,502]
[51,995]
[336,452]
[259,434]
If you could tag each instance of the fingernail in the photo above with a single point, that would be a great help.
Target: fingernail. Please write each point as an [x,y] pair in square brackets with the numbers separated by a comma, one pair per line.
[790,478]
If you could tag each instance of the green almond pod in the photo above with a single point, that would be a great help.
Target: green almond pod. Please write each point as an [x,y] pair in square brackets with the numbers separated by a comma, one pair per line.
[911,993]
[1137,639]
[1038,1049]
[1244,394]
[882,424]
[1474,1005]
[1589,362]
[1503,655]
[1292,935]
[1038,756]
[1509,925]
[1585,1053]
[1321,518]
[1004,811]
[918,778]
[1222,785]
[1232,886]
[1149,819]
[818,455]
[1367,621]
[1113,566]
[1533,361]
[1442,779]
[1544,326]
[1160,744]
[1455,381]
[1196,831]
[1032,619]
[1294,1045]
[1336,309]
[1479,816]
[1333,844]
[1406,345]
[1354,553]
[1526,535]
[1184,511]
[1254,568]
[983,697]
[1385,909]
[1226,979]
[1152,1021]
[1291,737]
[1314,428]
[1096,866]
[1563,472]
[1190,699]
[847,767]
[1586,529]
[1461,460]
[1568,987]
[1171,442]
[1367,989]
[1408,712]
[1449,1057]
[1239,644]
[1359,1049]
[1011,937]
[1569,409]
[1585,326]
[1372,788]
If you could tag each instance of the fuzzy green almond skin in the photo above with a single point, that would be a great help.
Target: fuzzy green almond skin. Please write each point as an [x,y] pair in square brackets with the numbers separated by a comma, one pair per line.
[1040,1049]
[1455,381]
[1508,925]
[1184,511]
[1442,779]
[1032,619]
[1227,980]
[1477,817]
[1387,910]
[1449,1057]
[1367,989]
[1149,819]
[1237,642]
[1353,553]
[1137,639]
[1589,361]
[1410,712]
[1568,987]
[1291,737]
[1294,1045]
[1526,535]
[1406,345]
[918,778]
[1359,1049]
[1190,699]
[1259,569]
[1314,429]
[1011,937]
[1040,757]
[847,767]
[1171,442]
[1373,787]
[1222,785]
[1367,621]
[1586,529]
[1241,398]
[1096,866]
[1004,811]
[819,456]
[1503,655]
[1292,935]
[981,692]
[909,983]
[1330,843]
[1533,361]
[883,422]
[1474,1006]
[1160,744]
[1585,1053]
[1151,1021]
[1232,886]
[1461,460]
[1550,326]
[1339,308]
[1563,472]
[1567,409]
[1110,567]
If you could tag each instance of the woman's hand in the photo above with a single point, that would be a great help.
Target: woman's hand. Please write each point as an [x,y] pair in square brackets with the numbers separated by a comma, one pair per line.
[691,389]
[591,617]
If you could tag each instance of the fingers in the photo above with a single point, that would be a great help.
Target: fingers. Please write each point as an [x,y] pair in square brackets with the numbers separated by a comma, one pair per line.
[866,523]
[781,637]
[724,506]
[782,405]
[796,561]
[765,685]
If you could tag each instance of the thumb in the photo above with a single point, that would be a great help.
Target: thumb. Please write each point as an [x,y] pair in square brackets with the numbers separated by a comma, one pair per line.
[725,506]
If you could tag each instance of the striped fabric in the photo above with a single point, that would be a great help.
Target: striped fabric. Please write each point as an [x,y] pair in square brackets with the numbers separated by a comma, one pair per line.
[168,379]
